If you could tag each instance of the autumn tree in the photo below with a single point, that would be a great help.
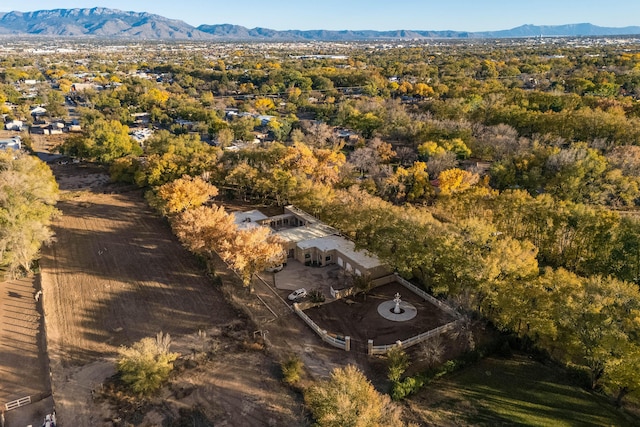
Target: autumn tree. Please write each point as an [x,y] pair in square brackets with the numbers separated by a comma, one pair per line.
[264,104]
[456,181]
[205,229]
[183,194]
[251,250]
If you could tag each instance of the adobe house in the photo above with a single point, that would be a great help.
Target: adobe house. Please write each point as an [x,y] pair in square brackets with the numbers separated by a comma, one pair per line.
[314,243]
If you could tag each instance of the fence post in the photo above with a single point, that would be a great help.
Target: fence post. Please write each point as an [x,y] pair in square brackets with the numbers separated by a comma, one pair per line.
[347,343]
[370,347]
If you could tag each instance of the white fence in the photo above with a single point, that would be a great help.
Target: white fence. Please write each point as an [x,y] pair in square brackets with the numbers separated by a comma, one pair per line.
[435,301]
[382,349]
[17,403]
[344,344]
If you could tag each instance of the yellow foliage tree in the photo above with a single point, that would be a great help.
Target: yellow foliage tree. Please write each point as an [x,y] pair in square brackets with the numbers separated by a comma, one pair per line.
[456,181]
[422,89]
[293,93]
[184,193]
[155,96]
[204,230]
[430,148]
[264,104]
[252,250]
[418,185]
[349,399]
[146,365]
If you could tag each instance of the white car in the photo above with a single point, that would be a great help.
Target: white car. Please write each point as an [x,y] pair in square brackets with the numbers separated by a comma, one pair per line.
[275,269]
[297,294]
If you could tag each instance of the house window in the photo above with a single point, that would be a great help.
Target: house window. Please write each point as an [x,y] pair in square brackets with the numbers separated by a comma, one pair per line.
[307,256]
[328,258]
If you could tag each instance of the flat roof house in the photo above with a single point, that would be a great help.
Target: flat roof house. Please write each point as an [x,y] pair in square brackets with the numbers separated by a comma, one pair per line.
[314,243]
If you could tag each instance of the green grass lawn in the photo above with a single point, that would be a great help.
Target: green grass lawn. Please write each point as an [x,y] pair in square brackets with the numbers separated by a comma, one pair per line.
[518,391]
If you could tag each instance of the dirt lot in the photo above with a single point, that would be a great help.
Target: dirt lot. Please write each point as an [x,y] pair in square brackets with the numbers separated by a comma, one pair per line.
[115,275]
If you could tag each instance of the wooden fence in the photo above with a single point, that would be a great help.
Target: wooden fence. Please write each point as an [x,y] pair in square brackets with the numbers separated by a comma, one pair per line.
[17,403]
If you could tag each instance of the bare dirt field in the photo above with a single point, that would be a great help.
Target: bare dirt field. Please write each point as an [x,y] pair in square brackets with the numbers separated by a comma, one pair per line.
[115,275]
[358,317]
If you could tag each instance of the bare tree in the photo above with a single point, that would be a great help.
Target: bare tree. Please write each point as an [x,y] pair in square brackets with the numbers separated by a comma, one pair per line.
[440,162]
[319,135]
[406,155]
[432,351]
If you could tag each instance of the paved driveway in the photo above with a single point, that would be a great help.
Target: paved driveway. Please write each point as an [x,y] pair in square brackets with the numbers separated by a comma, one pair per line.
[296,275]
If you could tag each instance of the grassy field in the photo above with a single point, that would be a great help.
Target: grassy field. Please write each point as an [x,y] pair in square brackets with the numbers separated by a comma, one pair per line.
[518,391]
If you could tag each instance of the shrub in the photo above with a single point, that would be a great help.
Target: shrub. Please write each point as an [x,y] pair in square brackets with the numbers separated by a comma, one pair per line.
[146,365]
[316,296]
[349,399]
[407,387]
[292,369]
[398,362]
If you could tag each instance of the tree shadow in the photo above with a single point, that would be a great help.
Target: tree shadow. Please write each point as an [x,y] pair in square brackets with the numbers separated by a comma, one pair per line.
[120,275]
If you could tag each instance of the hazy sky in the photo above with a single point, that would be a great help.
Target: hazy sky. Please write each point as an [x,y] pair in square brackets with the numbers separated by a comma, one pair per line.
[467,15]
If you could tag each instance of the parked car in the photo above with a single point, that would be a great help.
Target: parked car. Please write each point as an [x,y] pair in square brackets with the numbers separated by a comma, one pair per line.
[275,269]
[297,294]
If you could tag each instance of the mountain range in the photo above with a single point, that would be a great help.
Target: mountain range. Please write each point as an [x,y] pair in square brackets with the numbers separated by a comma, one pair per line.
[112,23]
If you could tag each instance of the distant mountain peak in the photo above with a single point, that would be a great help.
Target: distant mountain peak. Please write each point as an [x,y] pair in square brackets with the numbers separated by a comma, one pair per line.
[99,22]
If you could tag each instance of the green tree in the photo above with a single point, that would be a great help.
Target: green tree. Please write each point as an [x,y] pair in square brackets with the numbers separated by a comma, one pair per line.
[103,141]
[28,194]
[397,363]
